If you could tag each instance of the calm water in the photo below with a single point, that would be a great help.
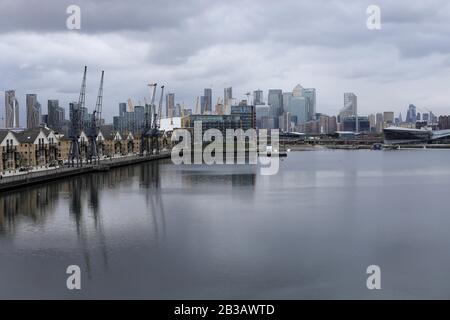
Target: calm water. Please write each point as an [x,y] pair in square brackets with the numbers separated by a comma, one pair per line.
[163,231]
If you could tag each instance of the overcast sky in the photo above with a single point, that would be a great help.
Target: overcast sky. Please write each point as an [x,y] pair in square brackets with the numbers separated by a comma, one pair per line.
[247,44]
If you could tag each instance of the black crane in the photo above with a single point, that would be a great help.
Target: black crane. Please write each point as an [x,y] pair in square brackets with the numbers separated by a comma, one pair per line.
[76,125]
[94,125]
[147,125]
[155,133]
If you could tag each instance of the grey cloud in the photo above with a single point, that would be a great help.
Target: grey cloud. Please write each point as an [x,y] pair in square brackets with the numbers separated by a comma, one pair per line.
[248,44]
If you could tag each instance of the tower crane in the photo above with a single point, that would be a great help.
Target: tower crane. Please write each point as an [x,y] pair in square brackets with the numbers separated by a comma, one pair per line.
[76,124]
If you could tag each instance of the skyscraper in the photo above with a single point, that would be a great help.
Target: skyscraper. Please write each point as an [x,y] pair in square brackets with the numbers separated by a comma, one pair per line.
[301,104]
[287,97]
[33,111]
[122,108]
[11,109]
[227,98]
[379,122]
[372,122]
[310,95]
[56,115]
[170,104]
[350,108]
[411,115]
[207,101]
[275,101]
[258,97]
[350,105]
[388,117]
[296,104]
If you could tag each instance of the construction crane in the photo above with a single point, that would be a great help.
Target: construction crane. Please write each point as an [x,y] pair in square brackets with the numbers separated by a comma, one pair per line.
[147,124]
[76,125]
[94,129]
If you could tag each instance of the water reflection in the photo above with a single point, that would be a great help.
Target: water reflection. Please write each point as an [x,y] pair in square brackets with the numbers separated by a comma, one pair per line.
[82,196]
[150,181]
[159,231]
[28,204]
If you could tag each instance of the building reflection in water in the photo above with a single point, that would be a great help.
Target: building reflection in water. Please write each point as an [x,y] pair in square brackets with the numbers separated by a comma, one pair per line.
[234,176]
[36,205]
[76,203]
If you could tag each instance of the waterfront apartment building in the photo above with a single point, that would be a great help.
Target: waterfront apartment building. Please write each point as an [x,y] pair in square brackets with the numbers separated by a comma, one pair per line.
[43,147]
[34,115]
[8,151]
[38,147]
[33,148]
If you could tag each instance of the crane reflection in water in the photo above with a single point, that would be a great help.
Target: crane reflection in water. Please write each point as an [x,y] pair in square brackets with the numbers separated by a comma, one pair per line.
[37,206]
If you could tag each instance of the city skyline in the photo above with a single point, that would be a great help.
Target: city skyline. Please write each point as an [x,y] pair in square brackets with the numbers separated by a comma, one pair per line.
[185,49]
[278,101]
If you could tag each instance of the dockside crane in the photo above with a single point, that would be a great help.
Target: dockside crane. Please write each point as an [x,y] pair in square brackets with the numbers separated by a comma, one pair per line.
[76,125]
[94,129]
[154,133]
[145,146]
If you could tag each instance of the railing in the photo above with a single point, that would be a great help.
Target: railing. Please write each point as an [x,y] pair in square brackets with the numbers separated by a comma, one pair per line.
[20,176]
[29,175]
